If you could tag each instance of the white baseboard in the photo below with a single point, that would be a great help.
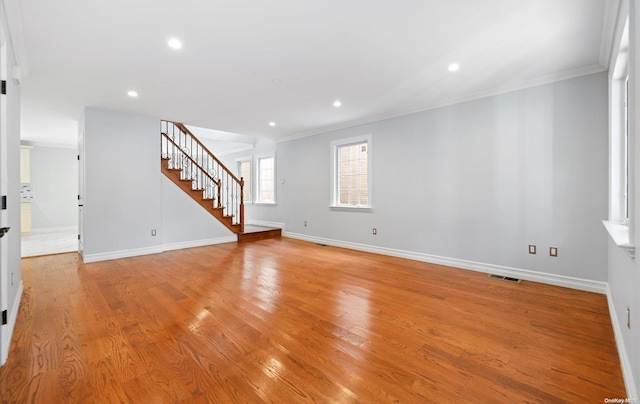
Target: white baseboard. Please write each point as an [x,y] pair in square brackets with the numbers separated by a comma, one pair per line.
[525,274]
[112,255]
[625,364]
[11,324]
[199,243]
[156,250]
[265,224]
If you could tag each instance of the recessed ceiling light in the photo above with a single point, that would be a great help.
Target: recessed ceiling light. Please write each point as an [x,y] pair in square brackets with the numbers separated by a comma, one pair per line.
[276,81]
[337,104]
[132,94]
[174,43]
[272,123]
[454,67]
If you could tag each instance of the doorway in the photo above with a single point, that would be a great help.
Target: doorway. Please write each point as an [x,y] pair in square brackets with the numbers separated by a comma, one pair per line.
[49,190]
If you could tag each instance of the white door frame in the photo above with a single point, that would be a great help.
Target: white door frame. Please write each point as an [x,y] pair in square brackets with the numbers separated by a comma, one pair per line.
[81,193]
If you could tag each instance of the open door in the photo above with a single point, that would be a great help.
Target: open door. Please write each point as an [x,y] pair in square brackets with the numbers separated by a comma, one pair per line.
[4,265]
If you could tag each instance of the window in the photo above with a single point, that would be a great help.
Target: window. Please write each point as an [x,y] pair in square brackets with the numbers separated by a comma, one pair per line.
[244,172]
[621,158]
[621,197]
[351,172]
[266,179]
[625,152]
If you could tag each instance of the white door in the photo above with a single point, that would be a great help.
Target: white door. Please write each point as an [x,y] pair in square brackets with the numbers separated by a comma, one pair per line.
[4,267]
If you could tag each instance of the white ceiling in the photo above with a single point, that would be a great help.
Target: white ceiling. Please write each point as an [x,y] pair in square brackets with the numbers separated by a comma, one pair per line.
[380,58]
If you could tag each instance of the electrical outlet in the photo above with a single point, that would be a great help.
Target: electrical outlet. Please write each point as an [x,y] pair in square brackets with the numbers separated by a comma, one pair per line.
[532,249]
[553,251]
[375,231]
[153,233]
[628,317]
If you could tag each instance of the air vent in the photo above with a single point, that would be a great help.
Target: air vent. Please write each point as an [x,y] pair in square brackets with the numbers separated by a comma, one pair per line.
[504,278]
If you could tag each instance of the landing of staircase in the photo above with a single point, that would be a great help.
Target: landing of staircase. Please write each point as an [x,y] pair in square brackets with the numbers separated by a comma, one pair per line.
[253,233]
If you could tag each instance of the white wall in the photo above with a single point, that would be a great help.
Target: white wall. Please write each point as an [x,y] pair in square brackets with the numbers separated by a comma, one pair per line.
[477,181]
[185,223]
[54,180]
[122,193]
[624,284]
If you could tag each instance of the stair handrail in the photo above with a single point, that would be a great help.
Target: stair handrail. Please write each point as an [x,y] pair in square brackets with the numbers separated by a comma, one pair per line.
[186,130]
[217,182]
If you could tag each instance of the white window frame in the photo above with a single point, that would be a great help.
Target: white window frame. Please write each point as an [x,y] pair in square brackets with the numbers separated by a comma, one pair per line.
[256,198]
[621,157]
[249,183]
[335,195]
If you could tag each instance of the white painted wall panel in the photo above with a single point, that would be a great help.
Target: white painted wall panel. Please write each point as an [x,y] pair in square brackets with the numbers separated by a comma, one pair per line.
[184,220]
[123,194]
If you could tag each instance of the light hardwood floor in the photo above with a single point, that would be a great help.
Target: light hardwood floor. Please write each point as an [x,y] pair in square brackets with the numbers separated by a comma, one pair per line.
[287,321]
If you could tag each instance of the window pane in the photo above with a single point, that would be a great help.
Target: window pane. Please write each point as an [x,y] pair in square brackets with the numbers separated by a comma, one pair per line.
[625,145]
[244,171]
[353,178]
[266,179]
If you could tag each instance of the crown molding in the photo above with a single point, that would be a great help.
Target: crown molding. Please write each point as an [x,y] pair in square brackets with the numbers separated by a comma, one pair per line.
[611,15]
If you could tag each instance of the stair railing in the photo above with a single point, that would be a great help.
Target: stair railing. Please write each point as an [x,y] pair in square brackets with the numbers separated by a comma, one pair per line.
[185,152]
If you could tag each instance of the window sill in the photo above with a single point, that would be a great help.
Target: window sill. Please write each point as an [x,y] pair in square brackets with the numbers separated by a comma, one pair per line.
[620,235]
[264,203]
[351,208]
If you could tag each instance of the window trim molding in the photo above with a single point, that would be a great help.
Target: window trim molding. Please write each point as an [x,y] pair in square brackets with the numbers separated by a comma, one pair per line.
[333,150]
[256,199]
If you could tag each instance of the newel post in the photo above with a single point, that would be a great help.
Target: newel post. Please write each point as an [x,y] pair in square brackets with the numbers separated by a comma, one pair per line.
[219,192]
[241,204]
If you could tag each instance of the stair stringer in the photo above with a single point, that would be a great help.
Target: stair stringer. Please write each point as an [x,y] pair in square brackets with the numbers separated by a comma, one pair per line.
[174,174]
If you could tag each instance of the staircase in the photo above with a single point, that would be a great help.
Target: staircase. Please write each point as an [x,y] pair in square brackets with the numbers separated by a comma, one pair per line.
[195,170]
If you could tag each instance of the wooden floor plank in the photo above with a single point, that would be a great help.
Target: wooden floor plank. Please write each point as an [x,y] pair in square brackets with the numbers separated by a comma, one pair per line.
[283,321]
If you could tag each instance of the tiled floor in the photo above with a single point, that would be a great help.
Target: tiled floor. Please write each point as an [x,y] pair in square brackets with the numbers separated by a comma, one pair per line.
[49,242]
